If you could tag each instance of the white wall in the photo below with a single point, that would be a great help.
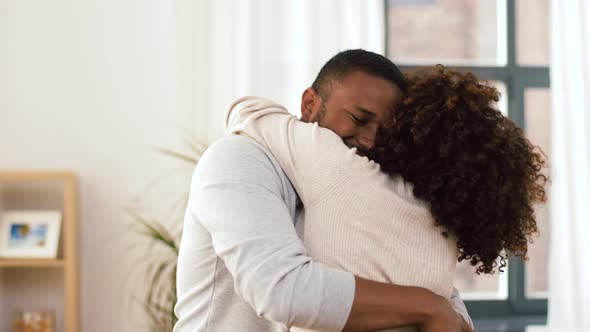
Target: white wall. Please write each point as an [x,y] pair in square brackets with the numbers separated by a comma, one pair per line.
[89,86]
[94,85]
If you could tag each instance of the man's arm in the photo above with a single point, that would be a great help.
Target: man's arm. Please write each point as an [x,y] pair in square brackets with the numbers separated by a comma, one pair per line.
[373,301]
[236,194]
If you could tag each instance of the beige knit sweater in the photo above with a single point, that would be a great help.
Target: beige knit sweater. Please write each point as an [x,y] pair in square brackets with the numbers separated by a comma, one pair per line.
[356,217]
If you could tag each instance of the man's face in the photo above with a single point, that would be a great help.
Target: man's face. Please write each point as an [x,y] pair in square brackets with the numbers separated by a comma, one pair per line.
[356,108]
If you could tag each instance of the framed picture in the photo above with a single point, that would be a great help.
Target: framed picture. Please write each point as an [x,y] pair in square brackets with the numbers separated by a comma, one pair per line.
[30,233]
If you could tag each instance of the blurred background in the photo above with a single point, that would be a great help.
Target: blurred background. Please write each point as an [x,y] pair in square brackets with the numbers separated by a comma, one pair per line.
[111,90]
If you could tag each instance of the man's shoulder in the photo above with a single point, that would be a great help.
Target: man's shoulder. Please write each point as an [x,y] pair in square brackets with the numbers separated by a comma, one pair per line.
[237,156]
[239,151]
[236,144]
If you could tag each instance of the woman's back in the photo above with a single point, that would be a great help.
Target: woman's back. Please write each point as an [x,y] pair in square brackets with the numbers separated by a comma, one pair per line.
[373,227]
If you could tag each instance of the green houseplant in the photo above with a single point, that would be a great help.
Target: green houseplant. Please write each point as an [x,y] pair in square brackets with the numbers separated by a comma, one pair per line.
[163,237]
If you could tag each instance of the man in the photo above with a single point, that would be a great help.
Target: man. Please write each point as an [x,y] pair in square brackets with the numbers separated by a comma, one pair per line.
[241,265]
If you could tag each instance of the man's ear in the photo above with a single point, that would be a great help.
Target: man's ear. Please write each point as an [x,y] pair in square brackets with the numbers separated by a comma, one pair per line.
[310,105]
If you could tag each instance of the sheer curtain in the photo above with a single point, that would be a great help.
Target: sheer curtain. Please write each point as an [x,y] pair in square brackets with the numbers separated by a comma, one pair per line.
[271,48]
[569,285]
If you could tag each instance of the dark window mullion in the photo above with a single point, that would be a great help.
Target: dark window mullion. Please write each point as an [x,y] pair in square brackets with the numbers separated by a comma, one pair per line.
[486,73]
[511,33]
[533,76]
[516,113]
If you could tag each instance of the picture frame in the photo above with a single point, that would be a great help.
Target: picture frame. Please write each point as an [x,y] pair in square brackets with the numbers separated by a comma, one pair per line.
[30,233]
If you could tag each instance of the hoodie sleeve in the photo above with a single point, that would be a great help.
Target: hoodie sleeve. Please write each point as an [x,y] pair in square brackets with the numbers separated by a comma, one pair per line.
[315,159]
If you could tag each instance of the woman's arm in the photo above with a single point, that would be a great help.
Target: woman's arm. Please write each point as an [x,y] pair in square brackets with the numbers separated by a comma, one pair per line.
[314,158]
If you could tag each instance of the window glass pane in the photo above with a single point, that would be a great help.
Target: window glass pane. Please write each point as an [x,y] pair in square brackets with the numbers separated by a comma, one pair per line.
[537,110]
[503,103]
[484,286]
[532,32]
[460,32]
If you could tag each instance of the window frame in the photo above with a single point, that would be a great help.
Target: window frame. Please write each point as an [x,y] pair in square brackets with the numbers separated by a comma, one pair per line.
[517,79]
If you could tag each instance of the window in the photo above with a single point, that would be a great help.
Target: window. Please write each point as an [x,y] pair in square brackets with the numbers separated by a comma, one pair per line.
[507,43]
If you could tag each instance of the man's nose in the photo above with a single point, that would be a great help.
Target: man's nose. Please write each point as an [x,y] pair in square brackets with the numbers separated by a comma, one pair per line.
[367,138]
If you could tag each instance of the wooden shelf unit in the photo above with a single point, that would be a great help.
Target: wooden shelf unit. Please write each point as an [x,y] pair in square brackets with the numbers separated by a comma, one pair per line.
[23,262]
[69,240]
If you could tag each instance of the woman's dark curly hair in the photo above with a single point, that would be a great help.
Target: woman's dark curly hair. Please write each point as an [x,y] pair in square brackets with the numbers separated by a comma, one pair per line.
[474,166]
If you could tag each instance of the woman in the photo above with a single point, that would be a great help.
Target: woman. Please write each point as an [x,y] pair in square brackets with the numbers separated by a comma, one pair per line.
[452,179]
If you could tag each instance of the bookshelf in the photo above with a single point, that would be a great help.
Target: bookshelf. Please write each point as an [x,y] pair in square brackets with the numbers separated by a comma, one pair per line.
[54,280]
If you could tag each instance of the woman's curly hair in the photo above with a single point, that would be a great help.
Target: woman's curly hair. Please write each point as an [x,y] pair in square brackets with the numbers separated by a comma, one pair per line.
[474,166]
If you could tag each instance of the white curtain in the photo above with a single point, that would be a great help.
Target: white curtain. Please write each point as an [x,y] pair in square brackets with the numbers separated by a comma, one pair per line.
[569,285]
[270,48]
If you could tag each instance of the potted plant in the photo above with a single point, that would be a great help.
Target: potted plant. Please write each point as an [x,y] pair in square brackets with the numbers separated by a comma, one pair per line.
[164,237]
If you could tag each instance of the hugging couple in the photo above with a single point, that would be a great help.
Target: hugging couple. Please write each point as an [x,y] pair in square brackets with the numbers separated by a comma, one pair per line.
[353,217]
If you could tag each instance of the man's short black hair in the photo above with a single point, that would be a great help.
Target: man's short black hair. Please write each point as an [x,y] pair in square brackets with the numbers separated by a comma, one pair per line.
[348,61]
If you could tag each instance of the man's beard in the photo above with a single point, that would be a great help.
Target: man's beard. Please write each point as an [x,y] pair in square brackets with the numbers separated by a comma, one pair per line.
[321,113]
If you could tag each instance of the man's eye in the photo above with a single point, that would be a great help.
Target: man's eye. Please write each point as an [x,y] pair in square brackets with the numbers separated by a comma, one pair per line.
[358,121]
